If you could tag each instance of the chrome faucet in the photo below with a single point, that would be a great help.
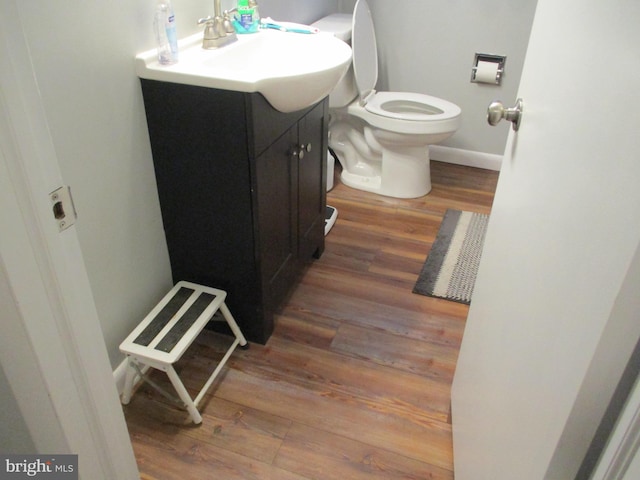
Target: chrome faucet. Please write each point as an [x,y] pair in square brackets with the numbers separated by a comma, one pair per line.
[218,30]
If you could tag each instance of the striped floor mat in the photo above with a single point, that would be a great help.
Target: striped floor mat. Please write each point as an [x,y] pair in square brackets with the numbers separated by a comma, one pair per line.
[450,269]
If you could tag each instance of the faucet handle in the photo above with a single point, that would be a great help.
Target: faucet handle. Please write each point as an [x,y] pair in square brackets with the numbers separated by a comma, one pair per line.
[228,26]
[210,32]
[205,20]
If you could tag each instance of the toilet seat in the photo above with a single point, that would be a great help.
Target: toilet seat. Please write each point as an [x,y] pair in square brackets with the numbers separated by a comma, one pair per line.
[448,122]
[410,106]
[402,112]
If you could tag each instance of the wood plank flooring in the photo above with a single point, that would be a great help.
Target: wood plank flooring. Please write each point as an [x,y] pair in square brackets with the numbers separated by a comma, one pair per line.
[355,381]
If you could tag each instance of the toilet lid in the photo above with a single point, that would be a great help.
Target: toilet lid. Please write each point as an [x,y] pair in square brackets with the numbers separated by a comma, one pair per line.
[365,52]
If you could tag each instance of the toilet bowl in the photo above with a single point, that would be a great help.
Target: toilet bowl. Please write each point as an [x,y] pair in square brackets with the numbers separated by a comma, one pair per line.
[381,139]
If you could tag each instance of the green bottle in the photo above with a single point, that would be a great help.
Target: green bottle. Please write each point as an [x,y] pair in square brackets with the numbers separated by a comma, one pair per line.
[245,21]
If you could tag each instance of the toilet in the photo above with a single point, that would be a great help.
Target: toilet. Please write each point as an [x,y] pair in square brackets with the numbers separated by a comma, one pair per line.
[381,139]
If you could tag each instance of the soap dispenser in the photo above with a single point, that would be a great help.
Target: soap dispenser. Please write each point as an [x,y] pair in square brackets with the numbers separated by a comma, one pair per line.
[246,20]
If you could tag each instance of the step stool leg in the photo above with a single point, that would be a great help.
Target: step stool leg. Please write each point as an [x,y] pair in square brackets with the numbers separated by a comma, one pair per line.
[128,382]
[184,395]
[232,324]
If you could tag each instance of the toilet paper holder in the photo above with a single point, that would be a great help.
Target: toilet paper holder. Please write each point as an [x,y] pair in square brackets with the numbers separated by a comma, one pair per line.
[486,57]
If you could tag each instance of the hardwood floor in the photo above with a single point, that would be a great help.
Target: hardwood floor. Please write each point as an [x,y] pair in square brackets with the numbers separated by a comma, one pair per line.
[355,381]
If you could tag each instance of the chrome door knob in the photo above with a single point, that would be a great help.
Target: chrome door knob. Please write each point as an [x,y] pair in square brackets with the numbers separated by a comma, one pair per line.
[497,112]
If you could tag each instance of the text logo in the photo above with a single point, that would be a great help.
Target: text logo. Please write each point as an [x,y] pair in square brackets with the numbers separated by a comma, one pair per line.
[50,467]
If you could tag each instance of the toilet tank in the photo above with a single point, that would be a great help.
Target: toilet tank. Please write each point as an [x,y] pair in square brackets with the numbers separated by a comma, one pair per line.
[340,25]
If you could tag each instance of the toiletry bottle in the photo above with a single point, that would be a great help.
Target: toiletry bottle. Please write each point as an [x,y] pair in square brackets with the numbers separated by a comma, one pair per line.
[164,24]
[245,21]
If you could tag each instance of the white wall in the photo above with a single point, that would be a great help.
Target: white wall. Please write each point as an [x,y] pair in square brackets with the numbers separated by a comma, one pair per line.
[82,55]
[303,11]
[15,436]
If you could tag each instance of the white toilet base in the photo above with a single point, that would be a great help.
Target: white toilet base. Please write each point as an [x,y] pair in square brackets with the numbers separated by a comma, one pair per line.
[405,174]
[361,182]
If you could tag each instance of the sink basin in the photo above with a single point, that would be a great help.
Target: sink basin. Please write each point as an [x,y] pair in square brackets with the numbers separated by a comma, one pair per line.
[291,70]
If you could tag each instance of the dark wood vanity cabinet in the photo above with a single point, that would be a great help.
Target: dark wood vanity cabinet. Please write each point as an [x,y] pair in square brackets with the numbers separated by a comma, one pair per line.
[242,190]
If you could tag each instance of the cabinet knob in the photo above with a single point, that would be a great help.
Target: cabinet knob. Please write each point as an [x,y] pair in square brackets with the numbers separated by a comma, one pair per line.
[299,152]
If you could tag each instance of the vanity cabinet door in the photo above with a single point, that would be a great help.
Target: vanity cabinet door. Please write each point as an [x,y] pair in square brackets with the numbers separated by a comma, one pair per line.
[312,181]
[276,232]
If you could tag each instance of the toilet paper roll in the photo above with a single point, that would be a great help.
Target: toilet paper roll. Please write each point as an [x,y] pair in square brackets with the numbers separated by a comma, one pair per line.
[487,72]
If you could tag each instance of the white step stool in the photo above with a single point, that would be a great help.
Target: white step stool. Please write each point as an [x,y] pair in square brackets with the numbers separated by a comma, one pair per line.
[168,330]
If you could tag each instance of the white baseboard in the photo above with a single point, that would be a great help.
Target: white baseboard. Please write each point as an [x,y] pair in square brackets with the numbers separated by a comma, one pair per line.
[469,158]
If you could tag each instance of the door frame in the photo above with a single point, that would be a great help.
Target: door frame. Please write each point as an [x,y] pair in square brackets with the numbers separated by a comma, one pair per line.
[624,443]
[52,349]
